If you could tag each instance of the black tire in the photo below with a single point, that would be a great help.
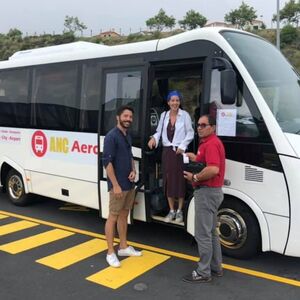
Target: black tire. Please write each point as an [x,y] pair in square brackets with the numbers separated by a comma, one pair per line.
[238,229]
[15,188]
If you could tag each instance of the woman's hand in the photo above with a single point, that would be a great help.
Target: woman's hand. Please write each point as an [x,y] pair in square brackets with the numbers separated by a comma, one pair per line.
[191,156]
[179,151]
[152,143]
[188,175]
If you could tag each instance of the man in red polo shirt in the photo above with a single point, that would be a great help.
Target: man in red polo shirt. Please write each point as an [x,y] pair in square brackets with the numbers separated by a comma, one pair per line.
[208,196]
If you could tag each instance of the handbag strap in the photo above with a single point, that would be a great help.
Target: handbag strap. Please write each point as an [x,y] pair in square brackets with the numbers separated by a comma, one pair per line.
[162,127]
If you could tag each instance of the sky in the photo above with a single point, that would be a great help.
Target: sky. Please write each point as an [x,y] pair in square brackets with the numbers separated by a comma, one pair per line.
[124,16]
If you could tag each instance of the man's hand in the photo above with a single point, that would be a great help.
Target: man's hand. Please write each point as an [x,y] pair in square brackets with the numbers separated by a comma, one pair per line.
[188,175]
[117,191]
[131,176]
[191,156]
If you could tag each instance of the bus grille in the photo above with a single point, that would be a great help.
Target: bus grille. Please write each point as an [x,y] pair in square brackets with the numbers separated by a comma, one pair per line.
[252,174]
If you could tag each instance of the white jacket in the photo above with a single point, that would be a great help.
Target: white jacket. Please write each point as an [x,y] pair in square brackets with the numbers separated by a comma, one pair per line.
[184,132]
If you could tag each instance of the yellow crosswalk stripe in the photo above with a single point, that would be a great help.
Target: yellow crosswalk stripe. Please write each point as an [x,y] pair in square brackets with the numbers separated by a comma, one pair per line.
[3,217]
[75,254]
[131,268]
[35,241]
[16,226]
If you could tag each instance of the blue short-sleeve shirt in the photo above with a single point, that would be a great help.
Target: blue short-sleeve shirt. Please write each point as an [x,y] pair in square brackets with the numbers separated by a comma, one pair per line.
[117,150]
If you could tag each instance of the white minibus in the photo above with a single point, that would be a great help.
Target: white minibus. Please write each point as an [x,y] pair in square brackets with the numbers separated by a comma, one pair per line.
[57,103]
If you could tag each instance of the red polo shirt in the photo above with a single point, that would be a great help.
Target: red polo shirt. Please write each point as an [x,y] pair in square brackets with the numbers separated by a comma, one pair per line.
[211,151]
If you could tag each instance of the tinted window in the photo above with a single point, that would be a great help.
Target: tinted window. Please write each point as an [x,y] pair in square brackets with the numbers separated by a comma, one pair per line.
[14,104]
[54,95]
[122,88]
[90,98]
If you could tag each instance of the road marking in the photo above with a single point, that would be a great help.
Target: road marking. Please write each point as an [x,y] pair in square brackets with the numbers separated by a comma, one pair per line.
[233,268]
[16,226]
[3,217]
[262,275]
[73,255]
[35,241]
[131,268]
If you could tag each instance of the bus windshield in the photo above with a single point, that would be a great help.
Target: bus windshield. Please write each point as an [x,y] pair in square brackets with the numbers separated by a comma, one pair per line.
[276,79]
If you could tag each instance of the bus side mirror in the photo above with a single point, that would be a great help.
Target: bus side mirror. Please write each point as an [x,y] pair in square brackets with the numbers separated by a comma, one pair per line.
[228,86]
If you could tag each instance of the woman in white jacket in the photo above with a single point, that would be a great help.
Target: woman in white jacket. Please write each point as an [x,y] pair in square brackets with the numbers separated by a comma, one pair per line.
[176,131]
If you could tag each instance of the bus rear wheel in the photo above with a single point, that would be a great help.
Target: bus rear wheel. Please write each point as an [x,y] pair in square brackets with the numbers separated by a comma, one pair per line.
[15,188]
[238,229]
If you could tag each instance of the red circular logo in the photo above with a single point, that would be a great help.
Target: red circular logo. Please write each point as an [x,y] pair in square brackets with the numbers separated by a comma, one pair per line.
[39,143]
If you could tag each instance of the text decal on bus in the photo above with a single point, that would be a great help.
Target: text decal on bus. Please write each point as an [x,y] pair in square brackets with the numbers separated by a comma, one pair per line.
[76,147]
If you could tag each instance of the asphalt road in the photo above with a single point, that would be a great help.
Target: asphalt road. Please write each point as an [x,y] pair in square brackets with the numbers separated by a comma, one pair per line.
[267,276]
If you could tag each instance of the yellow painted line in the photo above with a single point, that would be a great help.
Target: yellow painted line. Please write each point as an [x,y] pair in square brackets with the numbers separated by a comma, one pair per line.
[16,226]
[73,255]
[35,241]
[3,217]
[51,224]
[262,275]
[131,268]
[162,251]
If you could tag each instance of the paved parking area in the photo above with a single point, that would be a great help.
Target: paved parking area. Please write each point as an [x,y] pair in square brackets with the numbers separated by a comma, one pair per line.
[71,259]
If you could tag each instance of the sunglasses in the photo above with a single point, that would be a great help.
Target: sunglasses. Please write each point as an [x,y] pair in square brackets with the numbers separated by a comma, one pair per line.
[202,125]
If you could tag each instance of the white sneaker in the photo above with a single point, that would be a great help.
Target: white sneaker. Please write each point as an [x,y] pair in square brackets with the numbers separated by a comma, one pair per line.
[170,216]
[179,217]
[129,251]
[112,260]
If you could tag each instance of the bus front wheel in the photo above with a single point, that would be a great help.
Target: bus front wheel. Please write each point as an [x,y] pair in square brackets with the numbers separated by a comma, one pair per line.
[238,229]
[15,188]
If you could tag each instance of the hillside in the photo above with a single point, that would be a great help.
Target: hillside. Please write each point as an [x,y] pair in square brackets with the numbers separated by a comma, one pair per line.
[13,41]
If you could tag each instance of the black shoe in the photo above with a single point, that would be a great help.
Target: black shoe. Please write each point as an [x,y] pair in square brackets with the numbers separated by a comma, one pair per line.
[217,273]
[195,278]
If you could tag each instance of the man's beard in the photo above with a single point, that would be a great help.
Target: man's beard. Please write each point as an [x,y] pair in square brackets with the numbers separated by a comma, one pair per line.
[125,124]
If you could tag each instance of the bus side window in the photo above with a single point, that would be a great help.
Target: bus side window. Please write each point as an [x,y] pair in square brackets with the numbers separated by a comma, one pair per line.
[90,98]
[14,102]
[54,97]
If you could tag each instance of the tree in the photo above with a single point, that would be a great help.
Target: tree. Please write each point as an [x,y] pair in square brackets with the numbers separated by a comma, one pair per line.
[290,13]
[73,24]
[288,35]
[14,34]
[160,21]
[241,16]
[192,20]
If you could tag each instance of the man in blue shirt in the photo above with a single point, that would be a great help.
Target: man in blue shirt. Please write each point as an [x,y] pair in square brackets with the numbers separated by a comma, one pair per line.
[119,164]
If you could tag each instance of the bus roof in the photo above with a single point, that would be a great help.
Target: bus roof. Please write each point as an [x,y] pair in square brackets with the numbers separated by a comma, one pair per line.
[86,50]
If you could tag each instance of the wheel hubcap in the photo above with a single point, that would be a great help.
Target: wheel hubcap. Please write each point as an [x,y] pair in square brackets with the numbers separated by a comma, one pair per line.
[232,228]
[15,186]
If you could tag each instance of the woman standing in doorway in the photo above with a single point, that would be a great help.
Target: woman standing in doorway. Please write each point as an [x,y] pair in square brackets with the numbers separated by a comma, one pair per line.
[175,129]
